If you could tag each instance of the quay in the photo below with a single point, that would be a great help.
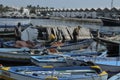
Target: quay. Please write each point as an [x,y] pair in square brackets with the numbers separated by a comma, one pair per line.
[78,19]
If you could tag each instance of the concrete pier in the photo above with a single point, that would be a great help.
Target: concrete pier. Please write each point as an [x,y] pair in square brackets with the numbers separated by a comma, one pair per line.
[78,19]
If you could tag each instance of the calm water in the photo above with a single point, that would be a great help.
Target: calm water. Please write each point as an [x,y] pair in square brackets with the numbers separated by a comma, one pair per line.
[59,22]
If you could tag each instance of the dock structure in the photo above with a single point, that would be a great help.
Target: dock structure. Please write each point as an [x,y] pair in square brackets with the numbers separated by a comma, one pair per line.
[79,19]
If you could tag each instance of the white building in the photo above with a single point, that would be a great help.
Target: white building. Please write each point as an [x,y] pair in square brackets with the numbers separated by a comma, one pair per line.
[26,12]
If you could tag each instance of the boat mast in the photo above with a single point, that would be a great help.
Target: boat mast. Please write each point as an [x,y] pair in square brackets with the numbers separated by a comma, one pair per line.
[111,4]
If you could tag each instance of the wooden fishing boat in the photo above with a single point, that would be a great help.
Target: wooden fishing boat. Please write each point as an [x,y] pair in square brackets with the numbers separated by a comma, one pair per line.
[113,21]
[23,54]
[64,59]
[7,29]
[112,44]
[18,54]
[69,46]
[55,60]
[111,64]
[62,33]
[34,34]
[115,77]
[66,46]
[86,53]
[51,73]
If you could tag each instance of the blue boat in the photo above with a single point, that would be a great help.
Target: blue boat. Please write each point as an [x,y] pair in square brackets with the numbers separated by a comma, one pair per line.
[66,47]
[111,64]
[51,73]
[58,60]
[21,55]
[64,59]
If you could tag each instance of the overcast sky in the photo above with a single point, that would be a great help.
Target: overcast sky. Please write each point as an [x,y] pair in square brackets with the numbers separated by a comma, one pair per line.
[62,3]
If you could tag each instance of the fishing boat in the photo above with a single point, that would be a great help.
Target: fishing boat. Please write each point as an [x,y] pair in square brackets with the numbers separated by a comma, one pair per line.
[77,54]
[60,46]
[51,73]
[63,36]
[110,22]
[41,33]
[115,77]
[111,64]
[7,29]
[112,44]
[66,58]
[21,55]
[55,60]
[69,46]
[95,49]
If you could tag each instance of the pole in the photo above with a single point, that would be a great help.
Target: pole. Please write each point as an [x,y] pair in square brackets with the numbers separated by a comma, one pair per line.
[119,51]
[111,4]
[117,59]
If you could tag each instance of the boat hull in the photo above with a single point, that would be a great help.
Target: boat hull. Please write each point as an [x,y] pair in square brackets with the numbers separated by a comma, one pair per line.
[16,55]
[111,64]
[55,64]
[110,68]
[7,31]
[56,61]
[110,22]
[75,46]
[28,73]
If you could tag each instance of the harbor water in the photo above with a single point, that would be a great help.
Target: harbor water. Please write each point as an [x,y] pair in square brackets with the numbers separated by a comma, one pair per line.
[60,22]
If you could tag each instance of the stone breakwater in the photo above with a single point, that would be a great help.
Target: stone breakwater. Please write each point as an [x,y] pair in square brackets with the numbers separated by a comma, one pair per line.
[78,19]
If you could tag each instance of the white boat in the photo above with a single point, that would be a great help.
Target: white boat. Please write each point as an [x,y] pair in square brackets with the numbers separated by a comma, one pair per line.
[111,64]
[115,77]
[51,73]
[85,53]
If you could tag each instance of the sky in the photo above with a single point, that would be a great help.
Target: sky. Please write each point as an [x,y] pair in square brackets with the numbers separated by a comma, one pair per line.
[62,3]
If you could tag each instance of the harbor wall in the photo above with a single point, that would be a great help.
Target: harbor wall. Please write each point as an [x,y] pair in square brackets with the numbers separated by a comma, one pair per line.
[78,19]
